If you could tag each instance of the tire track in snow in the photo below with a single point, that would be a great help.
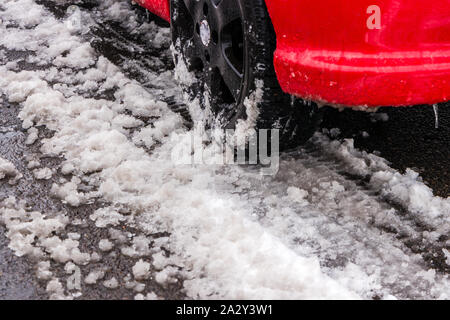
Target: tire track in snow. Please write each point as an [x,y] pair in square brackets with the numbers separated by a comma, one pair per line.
[427,238]
[318,211]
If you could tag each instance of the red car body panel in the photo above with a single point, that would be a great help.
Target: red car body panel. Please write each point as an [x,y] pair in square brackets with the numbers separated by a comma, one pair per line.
[326,51]
[158,7]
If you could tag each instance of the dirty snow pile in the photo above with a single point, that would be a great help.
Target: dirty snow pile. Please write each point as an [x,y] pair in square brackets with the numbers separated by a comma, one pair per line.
[8,170]
[225,232]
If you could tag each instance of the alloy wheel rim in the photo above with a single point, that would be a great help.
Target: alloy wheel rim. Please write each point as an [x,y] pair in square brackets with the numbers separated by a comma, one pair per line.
[212,43]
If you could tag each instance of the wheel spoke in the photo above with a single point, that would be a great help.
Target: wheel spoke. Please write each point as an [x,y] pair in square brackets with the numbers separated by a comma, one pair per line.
[227,11]
[231,76]
[193,7]
[218,63]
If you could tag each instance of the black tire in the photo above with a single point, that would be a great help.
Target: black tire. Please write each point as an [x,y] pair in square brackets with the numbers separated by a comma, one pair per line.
[252,40]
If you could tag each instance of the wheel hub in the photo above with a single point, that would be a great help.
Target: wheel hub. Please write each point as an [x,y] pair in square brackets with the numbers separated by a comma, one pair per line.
[212,42]
[205,33]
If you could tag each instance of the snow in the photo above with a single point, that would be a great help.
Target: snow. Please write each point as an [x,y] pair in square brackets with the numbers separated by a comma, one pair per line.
[32,164]
[140,247]
[94,276]
[8,170]
[141,270]
[406,189]
[43,173]
[129,176]
[298,195]
[74,235]
[246,128]
[105,245]
[106,216]
[43,270]
[304,233]
[25,226]
[65,250]
[32,136]
[56,290]
[139,287]
[131,284]
[111,283]
[68,192]
[447,256]
[148,296]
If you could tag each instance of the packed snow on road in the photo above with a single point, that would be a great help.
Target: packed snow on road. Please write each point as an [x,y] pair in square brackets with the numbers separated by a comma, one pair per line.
[312,230]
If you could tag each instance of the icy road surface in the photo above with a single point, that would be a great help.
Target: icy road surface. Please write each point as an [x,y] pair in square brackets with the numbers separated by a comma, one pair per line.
[92,205]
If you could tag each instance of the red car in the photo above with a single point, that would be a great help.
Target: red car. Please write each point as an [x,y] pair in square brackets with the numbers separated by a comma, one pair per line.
[359,53]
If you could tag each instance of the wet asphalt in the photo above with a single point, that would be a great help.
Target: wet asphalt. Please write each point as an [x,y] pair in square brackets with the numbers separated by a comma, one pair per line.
[408,139]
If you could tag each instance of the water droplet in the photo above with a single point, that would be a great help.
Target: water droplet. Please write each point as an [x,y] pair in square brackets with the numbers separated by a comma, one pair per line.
[436,115]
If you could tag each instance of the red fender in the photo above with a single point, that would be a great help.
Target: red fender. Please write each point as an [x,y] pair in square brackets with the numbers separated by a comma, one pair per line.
[158,7]
[327,52]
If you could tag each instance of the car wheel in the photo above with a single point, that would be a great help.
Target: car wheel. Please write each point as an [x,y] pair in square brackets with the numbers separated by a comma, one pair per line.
[229,45]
